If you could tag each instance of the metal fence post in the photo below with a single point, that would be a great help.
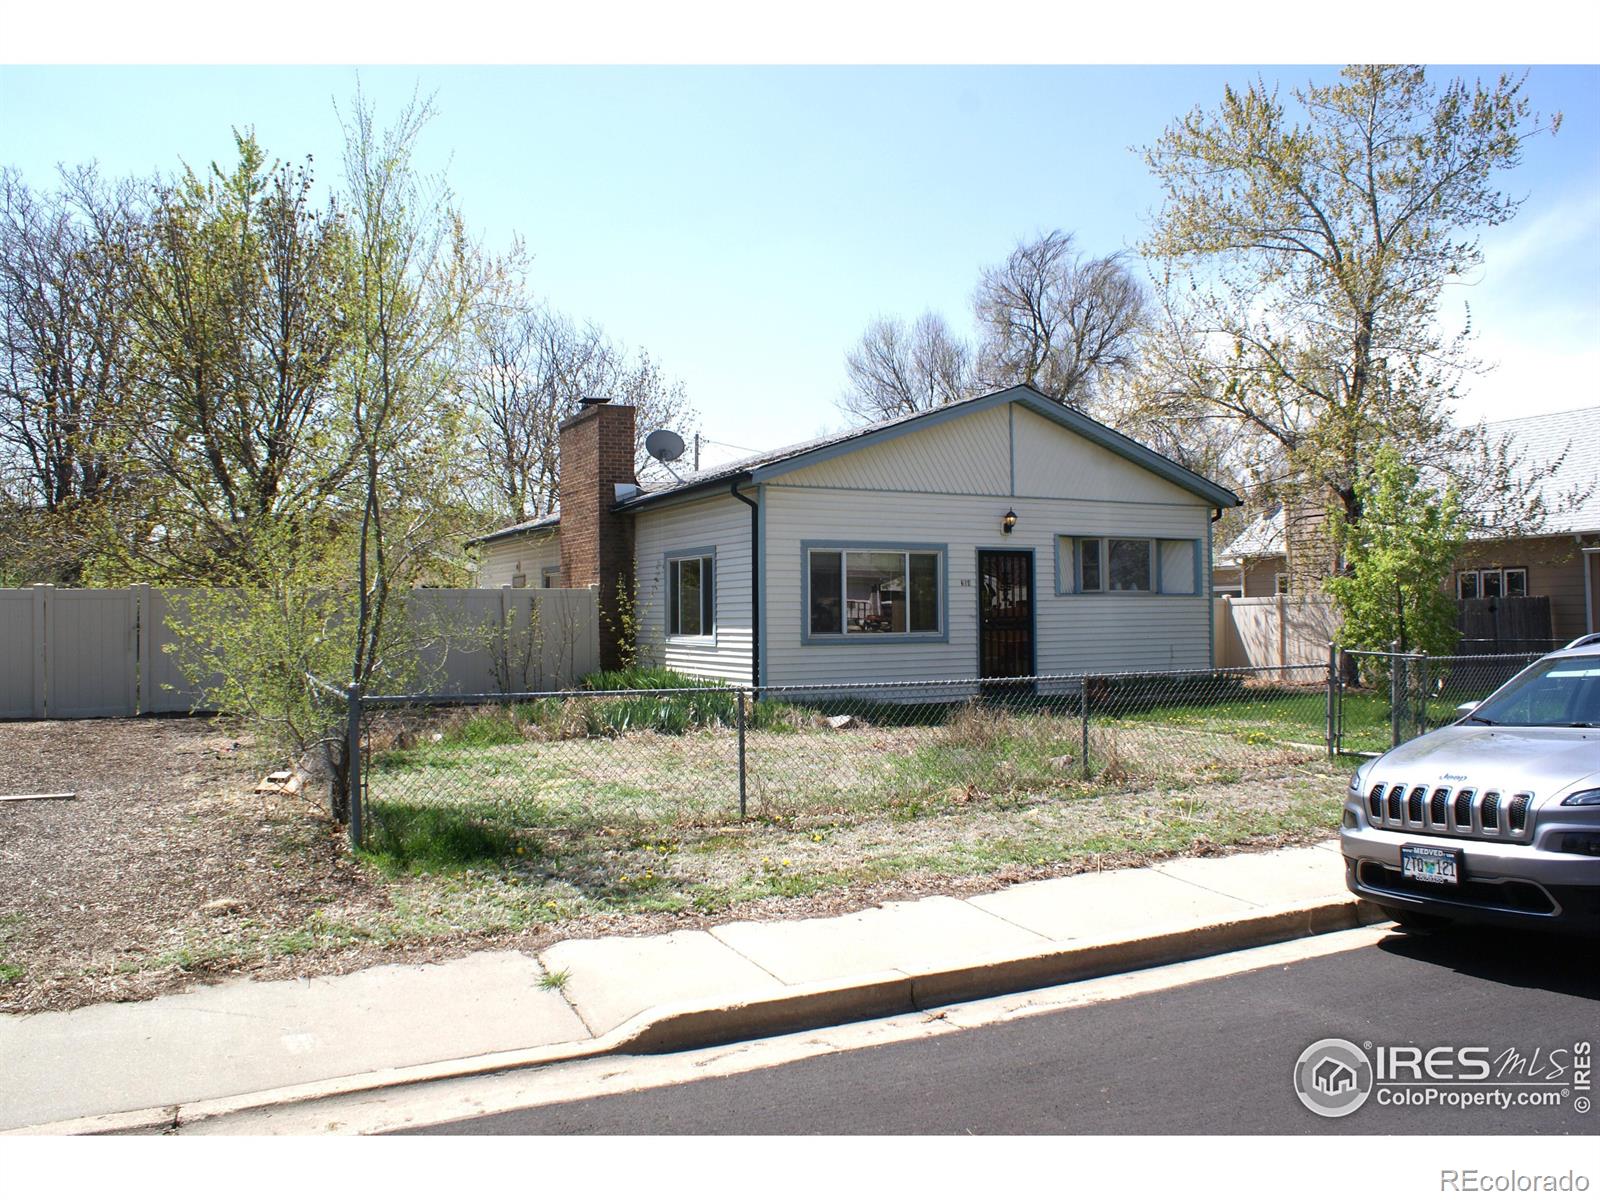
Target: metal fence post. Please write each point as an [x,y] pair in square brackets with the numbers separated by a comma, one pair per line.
[739,705]
[1333,700]
[353,762]
[1083,710]
[1396,692]
[1423,688]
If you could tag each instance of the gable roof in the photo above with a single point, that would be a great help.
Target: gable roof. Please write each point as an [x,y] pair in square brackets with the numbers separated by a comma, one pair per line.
[774,463]
[1537,440]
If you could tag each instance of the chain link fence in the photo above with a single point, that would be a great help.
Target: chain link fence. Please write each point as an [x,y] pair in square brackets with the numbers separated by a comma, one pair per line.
[1384,697]
[630,763]
[627,764]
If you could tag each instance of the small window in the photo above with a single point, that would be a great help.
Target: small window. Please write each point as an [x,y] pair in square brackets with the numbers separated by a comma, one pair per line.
[1129,564]
[1089,574]
[1467,585]
[1516,581]
[1178,561]
[550,577]
[881,592]
[1488,583]
[691,605]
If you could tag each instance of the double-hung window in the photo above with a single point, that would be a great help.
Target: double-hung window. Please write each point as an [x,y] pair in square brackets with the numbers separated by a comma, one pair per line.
[691,599]
[1492,582]
[1101,565]
[884,592]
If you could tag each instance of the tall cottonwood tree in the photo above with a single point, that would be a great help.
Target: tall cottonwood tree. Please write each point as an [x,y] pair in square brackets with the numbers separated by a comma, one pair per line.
[1307,252]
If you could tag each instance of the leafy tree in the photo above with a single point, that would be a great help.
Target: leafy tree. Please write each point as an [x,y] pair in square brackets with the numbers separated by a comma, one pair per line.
[242,322]
[327,598]
[1306,254]
[1399,556]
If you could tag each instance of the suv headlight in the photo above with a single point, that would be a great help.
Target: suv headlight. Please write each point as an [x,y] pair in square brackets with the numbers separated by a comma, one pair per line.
[1585,799]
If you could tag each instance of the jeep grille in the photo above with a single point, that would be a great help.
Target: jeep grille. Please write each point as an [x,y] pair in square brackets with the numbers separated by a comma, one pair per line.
[1464,813]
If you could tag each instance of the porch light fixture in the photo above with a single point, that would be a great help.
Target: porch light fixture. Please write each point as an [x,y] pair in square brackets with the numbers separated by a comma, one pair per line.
[1009,521]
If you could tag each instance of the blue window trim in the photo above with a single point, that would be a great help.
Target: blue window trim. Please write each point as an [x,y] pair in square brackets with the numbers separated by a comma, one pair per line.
[807,638]
[688,639]
[1155,592]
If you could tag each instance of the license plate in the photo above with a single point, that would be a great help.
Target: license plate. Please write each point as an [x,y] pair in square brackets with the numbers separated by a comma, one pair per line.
[1431,864]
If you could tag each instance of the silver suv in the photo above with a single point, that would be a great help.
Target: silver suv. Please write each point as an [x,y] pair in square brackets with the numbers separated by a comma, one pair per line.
[1495,818]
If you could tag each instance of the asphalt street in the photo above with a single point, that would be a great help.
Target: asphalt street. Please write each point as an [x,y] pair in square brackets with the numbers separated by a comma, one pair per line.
[1206,1058]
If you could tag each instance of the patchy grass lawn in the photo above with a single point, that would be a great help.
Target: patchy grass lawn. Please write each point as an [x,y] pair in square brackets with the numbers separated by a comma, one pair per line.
[169,870]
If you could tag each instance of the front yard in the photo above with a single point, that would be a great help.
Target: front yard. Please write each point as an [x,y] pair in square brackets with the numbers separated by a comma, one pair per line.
[483,831]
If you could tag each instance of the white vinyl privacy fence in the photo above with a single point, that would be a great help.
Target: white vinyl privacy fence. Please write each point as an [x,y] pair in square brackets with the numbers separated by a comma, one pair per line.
[111,652]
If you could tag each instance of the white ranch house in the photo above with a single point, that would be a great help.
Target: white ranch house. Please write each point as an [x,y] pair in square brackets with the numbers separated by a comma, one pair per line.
[1004,535]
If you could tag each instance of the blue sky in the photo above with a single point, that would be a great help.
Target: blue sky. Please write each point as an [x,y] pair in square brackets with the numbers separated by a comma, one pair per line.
[745,223]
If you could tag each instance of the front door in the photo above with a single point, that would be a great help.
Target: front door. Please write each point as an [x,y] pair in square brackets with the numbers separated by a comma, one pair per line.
[1005,613]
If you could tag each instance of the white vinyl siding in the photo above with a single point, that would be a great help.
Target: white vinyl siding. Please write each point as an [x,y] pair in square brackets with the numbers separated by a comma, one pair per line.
[1074,633]
[1052,461]
[525,556]
[967,454]
[718,527]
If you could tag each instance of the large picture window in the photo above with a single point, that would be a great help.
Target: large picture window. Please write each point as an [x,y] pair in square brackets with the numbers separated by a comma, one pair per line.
[1099,565]
[691,603]
[884,592]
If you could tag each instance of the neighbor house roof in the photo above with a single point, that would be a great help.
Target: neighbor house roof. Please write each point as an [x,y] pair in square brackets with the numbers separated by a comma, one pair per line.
[550,521]
[1536,442]
[760,467]
[1540,441]
[1262,538]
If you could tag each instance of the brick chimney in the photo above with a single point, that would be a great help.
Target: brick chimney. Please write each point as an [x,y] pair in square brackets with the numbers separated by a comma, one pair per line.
[597,544]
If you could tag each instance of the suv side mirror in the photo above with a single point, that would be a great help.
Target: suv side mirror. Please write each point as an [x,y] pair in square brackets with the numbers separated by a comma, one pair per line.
[1467,709]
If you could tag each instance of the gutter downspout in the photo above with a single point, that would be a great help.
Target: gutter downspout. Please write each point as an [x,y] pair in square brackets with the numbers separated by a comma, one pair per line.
[755,582]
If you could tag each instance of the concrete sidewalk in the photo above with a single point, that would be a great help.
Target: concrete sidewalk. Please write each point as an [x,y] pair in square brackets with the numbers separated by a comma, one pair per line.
[652,993]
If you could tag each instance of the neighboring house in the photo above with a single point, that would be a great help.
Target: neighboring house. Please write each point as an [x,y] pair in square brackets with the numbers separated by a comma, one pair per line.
[1562,562]
[522,556]
[999,536]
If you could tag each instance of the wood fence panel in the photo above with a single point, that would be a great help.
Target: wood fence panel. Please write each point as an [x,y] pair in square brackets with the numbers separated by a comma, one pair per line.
[1504,625]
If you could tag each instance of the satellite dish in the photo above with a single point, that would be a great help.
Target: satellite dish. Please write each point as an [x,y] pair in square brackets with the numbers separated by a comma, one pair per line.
[664,446]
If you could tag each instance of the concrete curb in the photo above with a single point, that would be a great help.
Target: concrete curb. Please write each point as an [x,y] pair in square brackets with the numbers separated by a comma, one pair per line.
[718,1021]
